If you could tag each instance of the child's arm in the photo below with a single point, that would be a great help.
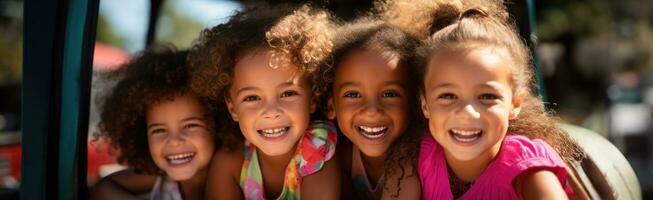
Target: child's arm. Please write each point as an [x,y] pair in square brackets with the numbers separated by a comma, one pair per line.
[539,184]
[125,184]
[410,185]
[224,175]
[324,184]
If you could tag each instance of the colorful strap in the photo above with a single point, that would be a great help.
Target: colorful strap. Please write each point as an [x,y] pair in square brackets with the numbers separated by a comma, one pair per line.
[316,146]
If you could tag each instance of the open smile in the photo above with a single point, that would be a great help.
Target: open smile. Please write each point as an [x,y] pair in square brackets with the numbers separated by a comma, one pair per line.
[466,136]
[273,133]
[180,158]
[372,132]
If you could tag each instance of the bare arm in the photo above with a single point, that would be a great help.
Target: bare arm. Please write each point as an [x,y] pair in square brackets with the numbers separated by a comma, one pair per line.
[539,184]
[224,174]
[125,184]
[325,184]
[409,188]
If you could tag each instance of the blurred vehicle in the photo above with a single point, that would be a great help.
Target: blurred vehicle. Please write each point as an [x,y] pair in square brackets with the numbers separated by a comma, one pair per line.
[101,158]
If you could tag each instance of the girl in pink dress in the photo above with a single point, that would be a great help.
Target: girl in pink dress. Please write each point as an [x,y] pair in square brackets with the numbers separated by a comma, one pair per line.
[482,115]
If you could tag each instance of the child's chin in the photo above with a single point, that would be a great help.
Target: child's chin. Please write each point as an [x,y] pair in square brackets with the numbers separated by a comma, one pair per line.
[180,175]
[277,150]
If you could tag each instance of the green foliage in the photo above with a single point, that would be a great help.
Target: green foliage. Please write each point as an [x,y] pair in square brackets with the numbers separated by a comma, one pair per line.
[11,49]
[106,33]
[560,17]
[176,28]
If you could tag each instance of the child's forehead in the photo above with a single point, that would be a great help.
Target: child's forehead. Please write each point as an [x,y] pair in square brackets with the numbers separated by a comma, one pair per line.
[255,70]
[473,65]
[372,55]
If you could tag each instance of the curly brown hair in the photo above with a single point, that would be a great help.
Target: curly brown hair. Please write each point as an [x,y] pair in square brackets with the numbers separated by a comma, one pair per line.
[296,35]
[372,33]
[412,16]
[471,24]
[152,76]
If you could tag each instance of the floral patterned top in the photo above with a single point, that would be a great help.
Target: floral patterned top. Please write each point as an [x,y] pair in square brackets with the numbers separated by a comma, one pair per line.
[315,147]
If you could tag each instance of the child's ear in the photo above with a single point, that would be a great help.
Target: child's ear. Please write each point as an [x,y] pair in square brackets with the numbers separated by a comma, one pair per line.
[230,107]
[516,107]
[331,110]
[425,108]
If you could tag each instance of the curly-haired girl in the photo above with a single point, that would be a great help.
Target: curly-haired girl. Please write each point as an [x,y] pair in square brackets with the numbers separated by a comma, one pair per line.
[164,131]
[262,63]
[489,132]
[374,100]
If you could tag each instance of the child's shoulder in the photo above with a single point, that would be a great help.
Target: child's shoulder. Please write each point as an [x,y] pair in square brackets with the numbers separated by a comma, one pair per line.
[229,159]
[522,147]
[519,154]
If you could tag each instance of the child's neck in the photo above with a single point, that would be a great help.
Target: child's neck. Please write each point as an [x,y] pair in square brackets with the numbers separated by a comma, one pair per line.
[276,162]
[470,170]
[273,170]
[193,188]
[374,167]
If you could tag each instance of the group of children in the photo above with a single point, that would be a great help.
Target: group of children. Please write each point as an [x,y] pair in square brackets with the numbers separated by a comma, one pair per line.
[285,103]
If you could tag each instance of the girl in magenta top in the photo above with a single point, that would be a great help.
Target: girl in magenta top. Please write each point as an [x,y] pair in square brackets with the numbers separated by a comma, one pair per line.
[481,111]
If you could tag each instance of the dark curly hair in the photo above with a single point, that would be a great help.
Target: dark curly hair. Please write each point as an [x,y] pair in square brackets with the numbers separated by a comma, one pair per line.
[475,23]
[154,75]
[296,35]
[371,33]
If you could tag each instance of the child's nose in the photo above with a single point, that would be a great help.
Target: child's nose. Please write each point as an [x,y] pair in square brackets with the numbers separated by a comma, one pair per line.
[468,111]
[176,139]
[272,111]
[372,107]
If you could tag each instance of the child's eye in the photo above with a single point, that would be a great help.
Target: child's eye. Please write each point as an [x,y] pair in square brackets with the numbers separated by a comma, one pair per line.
[289,93]
[352,95]
[447,96]
[251,98]
[488,97]
[390,94]
[157,131]
[192,125]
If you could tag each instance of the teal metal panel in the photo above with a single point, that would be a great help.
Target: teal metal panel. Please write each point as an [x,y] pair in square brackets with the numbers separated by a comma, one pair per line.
[72,127]
[536,59]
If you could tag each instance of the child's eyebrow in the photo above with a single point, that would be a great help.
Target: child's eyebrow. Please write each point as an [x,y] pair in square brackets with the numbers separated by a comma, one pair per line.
[346,84]
[492,85]
[245,89]
[193,118]
[441,86]
[286,84]
[153,125]
[183,120]
[398,83]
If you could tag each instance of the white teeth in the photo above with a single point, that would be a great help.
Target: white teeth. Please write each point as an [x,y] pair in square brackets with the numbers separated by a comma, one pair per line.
[180,158]
[373,129]
[273,132]
[373,132]
[465,133]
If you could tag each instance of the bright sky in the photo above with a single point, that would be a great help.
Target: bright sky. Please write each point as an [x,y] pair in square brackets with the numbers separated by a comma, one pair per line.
[130,17]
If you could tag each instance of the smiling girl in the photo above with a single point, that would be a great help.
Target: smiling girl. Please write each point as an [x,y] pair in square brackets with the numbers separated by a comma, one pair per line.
[374,100]
[164,131]
[262,64]
[489,133]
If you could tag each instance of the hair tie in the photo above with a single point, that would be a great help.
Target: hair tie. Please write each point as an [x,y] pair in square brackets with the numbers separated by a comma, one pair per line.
[472,13]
